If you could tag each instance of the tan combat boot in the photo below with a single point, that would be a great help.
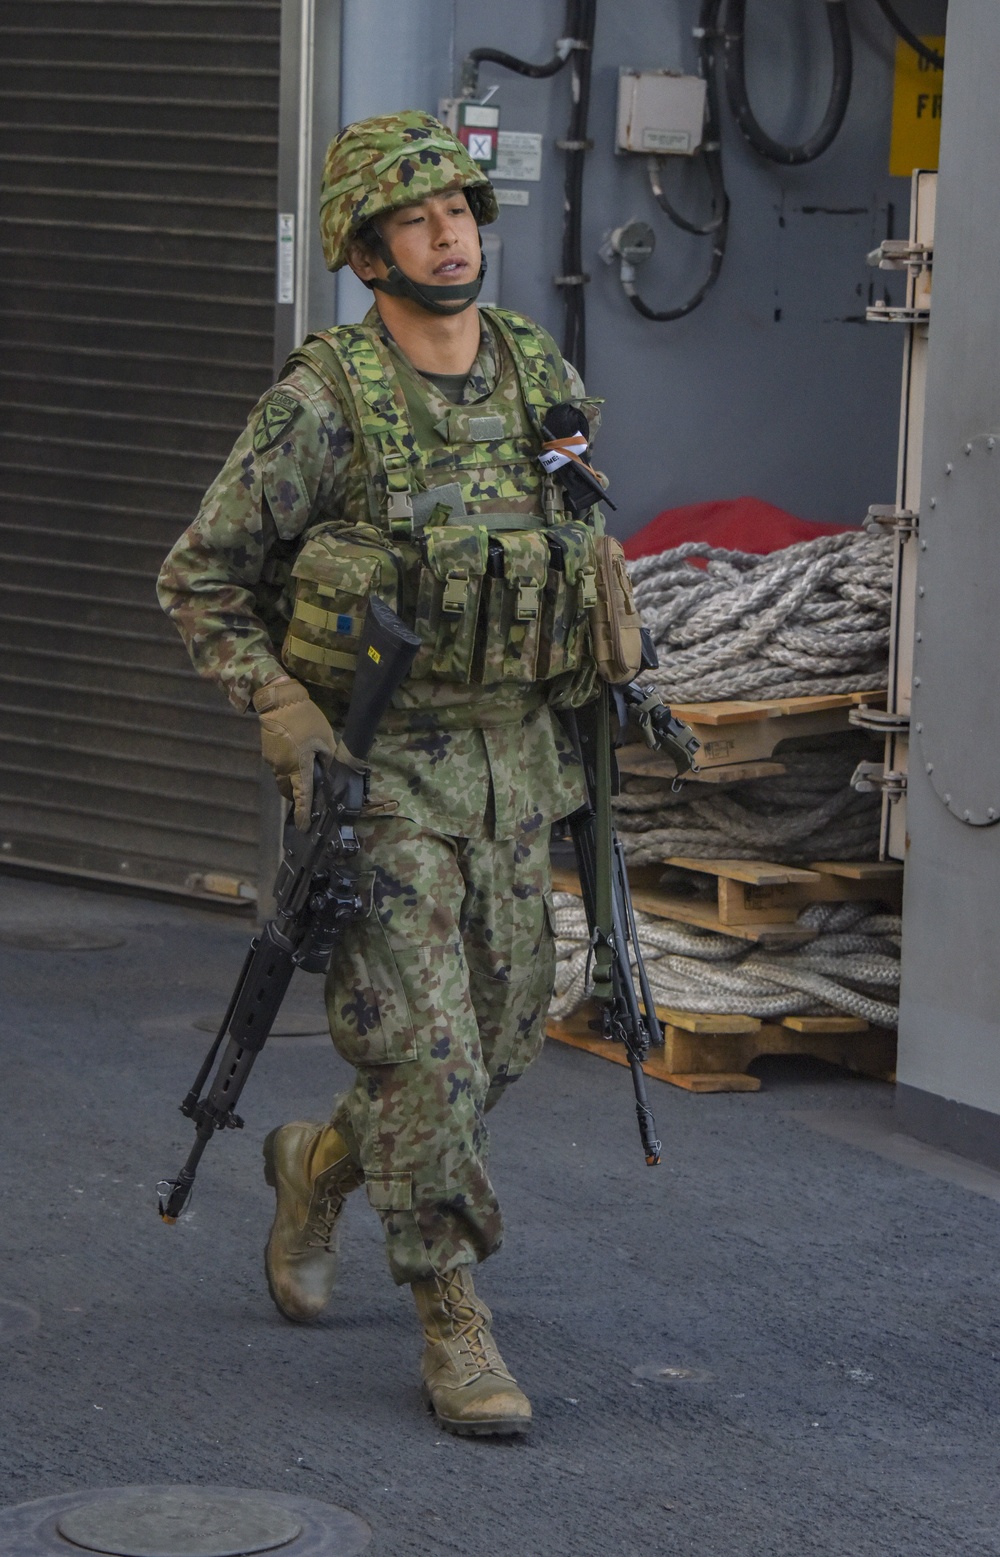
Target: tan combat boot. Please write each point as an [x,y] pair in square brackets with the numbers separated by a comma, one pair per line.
[465,1380]
[308,1167]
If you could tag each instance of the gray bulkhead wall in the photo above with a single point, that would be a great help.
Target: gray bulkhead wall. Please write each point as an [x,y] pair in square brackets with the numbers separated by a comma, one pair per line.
[773,387]
[949,1057]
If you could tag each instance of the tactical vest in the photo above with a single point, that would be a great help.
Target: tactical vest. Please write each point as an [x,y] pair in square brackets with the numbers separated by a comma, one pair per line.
[450,519]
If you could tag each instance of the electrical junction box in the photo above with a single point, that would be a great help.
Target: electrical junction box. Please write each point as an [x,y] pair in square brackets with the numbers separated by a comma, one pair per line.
[477,126]
[660,112]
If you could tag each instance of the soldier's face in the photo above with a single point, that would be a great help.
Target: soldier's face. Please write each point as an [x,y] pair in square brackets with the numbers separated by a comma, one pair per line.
[435,243]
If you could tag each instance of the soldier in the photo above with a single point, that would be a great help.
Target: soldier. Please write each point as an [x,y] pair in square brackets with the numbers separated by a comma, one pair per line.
[400,457]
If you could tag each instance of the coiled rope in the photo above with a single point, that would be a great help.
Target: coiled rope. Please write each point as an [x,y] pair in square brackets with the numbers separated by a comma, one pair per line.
[852,967]
[810,812]
[810,619]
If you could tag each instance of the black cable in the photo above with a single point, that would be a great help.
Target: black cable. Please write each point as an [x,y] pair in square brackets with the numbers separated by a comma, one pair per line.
[521,67]
[707,33]
[840,88]
[664,316]
[916,44]
[581,25]
[576,47]
[700,230]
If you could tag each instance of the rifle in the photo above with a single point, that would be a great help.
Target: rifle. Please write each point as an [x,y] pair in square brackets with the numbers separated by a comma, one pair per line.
[604,883]
[315,893]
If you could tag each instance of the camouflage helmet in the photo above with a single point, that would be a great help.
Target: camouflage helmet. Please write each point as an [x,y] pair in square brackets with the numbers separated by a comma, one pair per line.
[390,161]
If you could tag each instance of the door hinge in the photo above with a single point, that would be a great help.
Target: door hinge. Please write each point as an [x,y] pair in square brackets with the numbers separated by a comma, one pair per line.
[871,778]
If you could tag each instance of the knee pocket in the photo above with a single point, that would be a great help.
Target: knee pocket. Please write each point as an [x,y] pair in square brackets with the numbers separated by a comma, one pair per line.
[390,1191]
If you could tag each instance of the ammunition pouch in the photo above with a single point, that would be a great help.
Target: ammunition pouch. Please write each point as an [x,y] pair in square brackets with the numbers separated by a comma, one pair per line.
[508,642]
[451,567]
[335,573]
[615,621]
[570,597]
[489,605]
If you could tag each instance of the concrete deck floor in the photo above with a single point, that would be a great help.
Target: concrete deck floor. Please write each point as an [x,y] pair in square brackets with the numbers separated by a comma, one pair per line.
[836,1283]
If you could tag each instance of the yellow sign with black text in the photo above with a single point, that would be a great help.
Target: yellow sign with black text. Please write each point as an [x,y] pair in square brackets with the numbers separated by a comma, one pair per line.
[916,110]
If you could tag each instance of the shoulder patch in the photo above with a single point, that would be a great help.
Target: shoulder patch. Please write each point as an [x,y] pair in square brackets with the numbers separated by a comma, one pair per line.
[276,417]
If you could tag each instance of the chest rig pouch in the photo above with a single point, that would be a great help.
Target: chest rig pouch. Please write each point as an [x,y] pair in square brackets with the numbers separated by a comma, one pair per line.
[448,519]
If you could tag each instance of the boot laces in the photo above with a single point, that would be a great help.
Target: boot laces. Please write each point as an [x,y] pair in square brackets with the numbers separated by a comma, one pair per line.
[469,1325]
[323,1221]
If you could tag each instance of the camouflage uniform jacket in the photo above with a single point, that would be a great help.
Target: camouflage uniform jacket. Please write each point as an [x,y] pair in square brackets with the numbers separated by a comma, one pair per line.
[226,584]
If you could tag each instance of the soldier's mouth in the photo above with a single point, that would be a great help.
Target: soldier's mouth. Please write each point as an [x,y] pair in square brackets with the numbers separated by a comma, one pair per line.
[451,268]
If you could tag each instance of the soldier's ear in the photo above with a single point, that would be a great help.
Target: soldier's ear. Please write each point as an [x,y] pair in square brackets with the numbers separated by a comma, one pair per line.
[362,253]
[361,260]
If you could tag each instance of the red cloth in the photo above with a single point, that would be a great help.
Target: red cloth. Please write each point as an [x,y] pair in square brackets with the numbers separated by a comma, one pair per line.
[738,524]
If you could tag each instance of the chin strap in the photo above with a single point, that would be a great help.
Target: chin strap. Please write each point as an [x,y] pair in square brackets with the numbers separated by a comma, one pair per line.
[437,300]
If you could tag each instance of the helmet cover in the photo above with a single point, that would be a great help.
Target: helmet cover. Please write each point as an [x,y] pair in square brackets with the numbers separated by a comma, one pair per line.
[388,162]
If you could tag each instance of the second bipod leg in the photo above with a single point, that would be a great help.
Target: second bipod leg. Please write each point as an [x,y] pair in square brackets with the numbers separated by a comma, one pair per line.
[654,1031]
[627,1023]
[624,930]
[635,1030]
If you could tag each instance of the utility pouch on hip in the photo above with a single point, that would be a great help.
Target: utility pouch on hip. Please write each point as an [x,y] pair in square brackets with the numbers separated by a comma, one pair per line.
[449,593]
[570,595]
[615,622]
[512,603]
[335,573]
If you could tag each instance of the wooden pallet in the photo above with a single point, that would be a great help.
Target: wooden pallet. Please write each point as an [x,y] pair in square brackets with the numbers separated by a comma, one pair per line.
[713,1053]
[737,739]
[757,900]
[651,899]
[753,892]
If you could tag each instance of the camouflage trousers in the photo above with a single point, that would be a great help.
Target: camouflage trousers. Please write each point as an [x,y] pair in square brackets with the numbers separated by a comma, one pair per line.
[438,997]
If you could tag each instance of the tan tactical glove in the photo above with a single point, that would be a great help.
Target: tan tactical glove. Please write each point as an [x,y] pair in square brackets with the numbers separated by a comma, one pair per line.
[292,732]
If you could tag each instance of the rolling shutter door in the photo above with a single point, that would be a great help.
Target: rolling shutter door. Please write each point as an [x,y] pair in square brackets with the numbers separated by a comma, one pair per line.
[138,164]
